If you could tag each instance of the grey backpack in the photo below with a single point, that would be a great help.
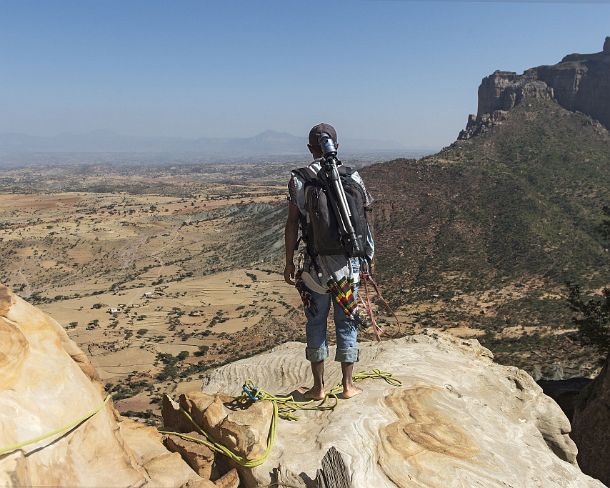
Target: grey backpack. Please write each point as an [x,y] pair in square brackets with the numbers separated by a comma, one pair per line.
[320,230]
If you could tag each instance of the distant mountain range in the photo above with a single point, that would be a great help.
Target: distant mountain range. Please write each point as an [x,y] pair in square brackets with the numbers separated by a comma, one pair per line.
[16,147]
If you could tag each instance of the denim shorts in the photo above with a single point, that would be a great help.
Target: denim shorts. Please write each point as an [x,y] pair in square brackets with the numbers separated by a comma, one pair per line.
[346,331]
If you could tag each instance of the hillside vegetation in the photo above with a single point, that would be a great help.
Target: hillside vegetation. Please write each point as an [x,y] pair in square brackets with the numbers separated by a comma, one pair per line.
[516,212]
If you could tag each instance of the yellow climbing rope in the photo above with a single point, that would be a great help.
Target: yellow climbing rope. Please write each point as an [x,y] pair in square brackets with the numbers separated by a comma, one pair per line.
[219,448]
[65,428]
[284,407]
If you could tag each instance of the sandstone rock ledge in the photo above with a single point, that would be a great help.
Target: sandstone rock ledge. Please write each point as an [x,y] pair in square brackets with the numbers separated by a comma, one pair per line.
[459,420]
[46,382]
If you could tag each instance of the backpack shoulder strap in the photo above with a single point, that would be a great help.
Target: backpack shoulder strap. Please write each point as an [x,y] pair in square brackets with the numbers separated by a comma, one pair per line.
[307,174]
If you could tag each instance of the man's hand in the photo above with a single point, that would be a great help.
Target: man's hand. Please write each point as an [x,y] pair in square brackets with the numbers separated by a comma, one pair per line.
[289,272]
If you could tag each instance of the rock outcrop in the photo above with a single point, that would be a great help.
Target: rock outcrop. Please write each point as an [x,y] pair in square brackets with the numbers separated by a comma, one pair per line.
[243,430]
[580,82]
[591,423]
[458,419]
[46,382]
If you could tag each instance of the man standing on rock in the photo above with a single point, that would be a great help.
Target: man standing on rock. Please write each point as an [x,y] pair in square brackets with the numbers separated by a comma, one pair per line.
[324,274]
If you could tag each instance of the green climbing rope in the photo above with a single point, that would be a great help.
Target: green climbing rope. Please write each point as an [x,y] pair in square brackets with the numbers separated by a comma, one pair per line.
[60,430]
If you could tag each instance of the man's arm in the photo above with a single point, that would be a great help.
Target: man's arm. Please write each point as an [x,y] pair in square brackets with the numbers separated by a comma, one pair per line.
[291,235]
[367,196]
[369,245]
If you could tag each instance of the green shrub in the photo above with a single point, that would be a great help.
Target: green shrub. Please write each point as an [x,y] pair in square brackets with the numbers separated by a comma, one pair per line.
[593,317]
[202,351]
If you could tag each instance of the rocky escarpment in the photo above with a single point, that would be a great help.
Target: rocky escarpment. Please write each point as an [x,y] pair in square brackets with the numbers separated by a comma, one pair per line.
[580,82]
[458,419]
[46,384]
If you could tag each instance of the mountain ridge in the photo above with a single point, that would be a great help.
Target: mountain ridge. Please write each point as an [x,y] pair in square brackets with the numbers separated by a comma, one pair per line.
[579,83]
[268,142]
[488,231]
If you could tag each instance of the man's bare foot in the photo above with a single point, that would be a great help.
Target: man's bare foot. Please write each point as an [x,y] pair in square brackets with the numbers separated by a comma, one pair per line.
[350,391]
[314,394]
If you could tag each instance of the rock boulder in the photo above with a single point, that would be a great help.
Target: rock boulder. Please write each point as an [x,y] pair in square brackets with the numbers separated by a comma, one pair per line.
[243,430]
[46,382]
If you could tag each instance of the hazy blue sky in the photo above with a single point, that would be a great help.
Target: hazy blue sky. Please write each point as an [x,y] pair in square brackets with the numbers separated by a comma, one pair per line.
[401,70]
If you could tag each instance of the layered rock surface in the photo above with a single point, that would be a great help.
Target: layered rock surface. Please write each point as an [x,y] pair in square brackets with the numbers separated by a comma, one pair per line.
[457,420]
[46,382]
[580,82]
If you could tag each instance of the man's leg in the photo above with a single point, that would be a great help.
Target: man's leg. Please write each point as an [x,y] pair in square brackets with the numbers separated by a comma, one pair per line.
[316,392]
[349,390]
[347,349]
[317,349]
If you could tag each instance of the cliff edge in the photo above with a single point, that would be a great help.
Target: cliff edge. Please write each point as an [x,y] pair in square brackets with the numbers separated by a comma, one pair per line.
[592,425]
[459,419]
[579,83]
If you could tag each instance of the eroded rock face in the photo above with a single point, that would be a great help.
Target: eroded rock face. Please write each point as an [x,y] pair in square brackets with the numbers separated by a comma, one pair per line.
[591,426]
[47,382]
[198,456]
[580,82]
[243,430]
[504,89]
[457,420]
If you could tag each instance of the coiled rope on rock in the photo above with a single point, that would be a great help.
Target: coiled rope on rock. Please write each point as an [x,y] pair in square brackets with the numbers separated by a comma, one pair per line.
[284,407]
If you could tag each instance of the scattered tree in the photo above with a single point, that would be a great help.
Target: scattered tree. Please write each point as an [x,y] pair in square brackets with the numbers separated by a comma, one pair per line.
[593,319]
[202,350]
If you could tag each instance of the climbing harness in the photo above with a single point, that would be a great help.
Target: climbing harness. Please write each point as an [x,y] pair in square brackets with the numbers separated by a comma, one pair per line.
[60,430]
[305,293]
[284,407]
